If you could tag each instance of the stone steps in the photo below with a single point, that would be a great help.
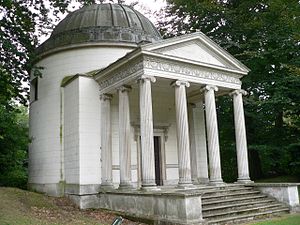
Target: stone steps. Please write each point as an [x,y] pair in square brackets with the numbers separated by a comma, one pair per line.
[237,203]
[243,210]
[247,217]
[222,201]
[233,206]
[231,189]
[229,194]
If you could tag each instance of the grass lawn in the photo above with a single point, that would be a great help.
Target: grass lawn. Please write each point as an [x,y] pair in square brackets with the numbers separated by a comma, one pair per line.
[19,207]
[293,219]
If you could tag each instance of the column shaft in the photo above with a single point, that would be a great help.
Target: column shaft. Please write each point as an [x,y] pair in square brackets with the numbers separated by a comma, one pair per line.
[106,147]
[146,123]
[212,135]
[240,135]
[200,143]
[183,142]
[193,147]
[124,138]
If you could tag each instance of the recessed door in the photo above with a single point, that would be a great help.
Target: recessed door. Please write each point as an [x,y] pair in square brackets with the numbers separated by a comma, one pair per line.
[157,159]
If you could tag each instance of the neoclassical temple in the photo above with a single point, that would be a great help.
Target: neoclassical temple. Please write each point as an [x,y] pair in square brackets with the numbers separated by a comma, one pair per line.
[124,120]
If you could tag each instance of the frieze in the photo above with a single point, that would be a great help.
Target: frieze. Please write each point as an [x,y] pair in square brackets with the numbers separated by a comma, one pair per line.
[122,73]
[190,70]
[166,66]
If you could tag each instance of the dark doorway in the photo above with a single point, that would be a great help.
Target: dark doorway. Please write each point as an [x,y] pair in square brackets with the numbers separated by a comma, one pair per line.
[157,158]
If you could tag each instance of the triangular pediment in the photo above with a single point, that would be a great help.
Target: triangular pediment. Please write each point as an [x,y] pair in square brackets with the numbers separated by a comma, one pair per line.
[199,48]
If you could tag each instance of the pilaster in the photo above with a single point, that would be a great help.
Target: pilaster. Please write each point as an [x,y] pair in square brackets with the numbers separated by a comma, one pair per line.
[199,163]
[106,142]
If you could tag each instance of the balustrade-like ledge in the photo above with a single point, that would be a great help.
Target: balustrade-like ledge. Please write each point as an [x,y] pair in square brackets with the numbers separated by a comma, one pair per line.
[284,192]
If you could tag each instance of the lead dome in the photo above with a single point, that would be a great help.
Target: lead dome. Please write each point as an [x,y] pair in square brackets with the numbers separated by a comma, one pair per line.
[98,23]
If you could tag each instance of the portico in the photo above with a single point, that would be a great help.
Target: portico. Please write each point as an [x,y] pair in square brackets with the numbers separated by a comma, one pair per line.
[191,81]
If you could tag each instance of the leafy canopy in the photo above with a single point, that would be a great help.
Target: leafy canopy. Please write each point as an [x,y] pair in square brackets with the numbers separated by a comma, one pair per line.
[265,36]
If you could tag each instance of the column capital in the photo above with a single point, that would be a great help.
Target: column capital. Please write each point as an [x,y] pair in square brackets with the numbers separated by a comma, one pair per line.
[124,88]
[237,92]
[146,77]
[181,82]
[209,88]
[105,97]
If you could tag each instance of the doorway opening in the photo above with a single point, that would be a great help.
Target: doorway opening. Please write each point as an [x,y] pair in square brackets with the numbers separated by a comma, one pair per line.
[157,160]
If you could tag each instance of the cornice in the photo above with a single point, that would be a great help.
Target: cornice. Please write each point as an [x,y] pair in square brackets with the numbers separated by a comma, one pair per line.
[138,63]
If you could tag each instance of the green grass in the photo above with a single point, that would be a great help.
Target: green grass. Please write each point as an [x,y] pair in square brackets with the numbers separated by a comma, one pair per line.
[293,219]
[19,207]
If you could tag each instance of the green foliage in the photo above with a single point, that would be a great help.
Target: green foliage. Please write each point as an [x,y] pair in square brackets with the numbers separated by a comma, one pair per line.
[21,23]
[13,147]
[265,36]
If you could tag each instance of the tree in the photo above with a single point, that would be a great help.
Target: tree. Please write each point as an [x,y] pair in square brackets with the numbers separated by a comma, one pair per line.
[264,35]
[13,145]
[21,23]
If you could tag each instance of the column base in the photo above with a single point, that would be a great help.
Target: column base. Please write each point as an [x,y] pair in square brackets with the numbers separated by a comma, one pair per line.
[185,186]
[244,181]
[125,186]
[216,182]
[150,188]
[107,186]
[203,180]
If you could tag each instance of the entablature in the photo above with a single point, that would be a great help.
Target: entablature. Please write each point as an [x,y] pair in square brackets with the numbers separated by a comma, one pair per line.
[132,66]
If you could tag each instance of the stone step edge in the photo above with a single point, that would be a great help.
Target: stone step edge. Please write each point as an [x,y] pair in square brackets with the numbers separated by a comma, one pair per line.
[246,216]
[238,205]
[232,194]
[221,187]
[228,190]
[258,208]
[233,199]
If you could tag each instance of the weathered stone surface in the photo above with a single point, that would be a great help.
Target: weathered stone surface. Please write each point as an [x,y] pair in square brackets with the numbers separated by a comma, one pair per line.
[159,207]
[283,192]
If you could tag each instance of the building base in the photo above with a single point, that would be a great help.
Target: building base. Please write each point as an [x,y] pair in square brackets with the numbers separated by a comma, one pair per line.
[55,189]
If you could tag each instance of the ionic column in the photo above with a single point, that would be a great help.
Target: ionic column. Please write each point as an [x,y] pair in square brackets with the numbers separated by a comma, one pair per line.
[106,150]
[124,138]
[146,123]
[240,136]
[212,135]
[183,142]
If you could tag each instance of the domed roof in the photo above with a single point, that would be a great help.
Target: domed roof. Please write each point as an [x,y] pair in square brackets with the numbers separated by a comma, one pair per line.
[101,23]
